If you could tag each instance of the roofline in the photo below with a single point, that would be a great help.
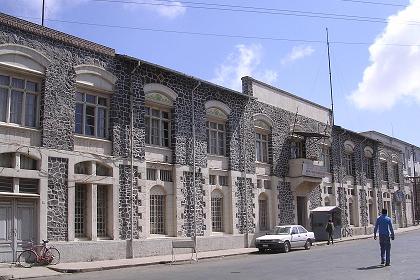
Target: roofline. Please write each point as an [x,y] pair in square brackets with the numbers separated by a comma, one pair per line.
[184,75]
[43,31]
[357,133]
[288,93]
[396,139]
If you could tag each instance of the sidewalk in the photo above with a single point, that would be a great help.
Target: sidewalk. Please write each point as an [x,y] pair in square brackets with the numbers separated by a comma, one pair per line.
[23,273]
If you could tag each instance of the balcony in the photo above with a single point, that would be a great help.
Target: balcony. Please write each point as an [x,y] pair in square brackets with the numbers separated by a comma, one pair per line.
[304,175]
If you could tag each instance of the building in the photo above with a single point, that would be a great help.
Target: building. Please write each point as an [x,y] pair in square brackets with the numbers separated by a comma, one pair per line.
[98,149]
[411,170]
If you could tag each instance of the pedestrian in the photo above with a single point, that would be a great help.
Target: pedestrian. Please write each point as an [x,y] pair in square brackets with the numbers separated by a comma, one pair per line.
[330,230]
[386,233]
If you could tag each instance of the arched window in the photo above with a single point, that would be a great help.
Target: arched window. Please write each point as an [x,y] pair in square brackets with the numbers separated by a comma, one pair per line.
[217,115]
[83,167]
[159,101]
[157,210]
[28,163]
[103,170]
[263,212]
[262,138]
[217,211]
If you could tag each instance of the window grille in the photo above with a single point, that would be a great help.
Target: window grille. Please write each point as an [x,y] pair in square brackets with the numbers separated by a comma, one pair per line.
[223,180]
[212,180]
[157,214]
[216,138]
[157,122]
[349,164]
[267,184]
[263,214]
[151,174]
[19,100]
[261,147]
[29,186]
[6,184]
[6,160]
[80,211]
[329,190]
[28,163]
[217,212]
[369,168]
[91,116]
[166,175]
[102,199]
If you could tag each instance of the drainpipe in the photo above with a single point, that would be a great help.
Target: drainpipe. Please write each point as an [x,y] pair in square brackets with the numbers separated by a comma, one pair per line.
[194,166]
[341,176]
[132,163]
[414,196]
[364,186]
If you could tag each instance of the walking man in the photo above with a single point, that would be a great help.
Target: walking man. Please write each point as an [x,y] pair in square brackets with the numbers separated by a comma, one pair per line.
[386,232]
[330,229]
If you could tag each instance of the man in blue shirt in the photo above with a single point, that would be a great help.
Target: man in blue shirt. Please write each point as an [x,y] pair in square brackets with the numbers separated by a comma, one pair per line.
[384,224]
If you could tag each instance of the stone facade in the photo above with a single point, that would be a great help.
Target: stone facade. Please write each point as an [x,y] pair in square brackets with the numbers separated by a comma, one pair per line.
[170,168]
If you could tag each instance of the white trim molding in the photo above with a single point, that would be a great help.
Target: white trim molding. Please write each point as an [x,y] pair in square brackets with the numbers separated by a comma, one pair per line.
[151,88]
[23,58]
[264,118]
[219,105]
[95,77]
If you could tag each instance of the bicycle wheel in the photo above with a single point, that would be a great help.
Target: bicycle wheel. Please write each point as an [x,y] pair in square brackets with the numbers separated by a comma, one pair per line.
[53,256]
[27,258]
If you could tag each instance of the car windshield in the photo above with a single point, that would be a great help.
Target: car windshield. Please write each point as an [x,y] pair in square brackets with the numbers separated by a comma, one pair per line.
[281,230]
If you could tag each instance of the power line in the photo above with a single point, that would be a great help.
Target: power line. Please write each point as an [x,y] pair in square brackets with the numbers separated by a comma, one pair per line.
[256,10]
[375,3]
[216,34]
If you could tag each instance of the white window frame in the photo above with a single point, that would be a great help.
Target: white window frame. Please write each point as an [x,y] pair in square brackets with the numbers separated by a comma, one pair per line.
[148,117]
[25,92]
[262,146]
[157,207]
[220,149]
[217,211]
[263,215]
[84,93]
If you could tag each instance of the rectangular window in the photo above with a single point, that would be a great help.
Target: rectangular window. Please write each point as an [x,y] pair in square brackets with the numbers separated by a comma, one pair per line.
[80,211]
[166,175]
[263,214]
[267,184]
[261,147]
[28,163]
[259,183]
[216,138]
[384,171]
[329,190]
[19,101]
[325,157]
[369,168]
[396,172]
[349,164]
[6,184]
[223,180]
[157,214]
[217,213]
[28,186]
[101,214]
[91,115]
[7,160]
[212,180]
[151,174]
[157,124]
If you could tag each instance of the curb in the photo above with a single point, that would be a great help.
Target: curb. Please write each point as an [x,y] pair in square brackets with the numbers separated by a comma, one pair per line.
[82,270]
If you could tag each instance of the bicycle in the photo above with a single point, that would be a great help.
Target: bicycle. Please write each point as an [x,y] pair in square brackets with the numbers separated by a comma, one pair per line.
[346,231]
[47,255]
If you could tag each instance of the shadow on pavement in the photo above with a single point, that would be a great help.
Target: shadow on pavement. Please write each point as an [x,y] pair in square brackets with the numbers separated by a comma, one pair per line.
[371,267]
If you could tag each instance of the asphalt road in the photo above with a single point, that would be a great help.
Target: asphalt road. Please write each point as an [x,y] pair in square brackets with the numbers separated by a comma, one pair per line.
[348,260]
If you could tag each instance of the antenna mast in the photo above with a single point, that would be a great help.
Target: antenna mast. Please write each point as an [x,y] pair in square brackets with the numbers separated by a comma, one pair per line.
[331,88]
[43,12]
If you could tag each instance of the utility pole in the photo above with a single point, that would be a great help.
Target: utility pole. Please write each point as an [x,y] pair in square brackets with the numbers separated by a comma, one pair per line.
[43,12]
[415,194]
[331,87]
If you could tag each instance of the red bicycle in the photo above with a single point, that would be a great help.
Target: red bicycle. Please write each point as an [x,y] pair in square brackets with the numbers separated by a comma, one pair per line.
[39,254]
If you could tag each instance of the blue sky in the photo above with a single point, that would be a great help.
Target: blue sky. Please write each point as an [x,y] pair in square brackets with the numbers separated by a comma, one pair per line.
[375,58]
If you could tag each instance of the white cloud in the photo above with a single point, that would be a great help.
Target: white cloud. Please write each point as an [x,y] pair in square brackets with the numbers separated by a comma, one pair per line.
[244,61]
[298,52]
[168,10]
[394,72]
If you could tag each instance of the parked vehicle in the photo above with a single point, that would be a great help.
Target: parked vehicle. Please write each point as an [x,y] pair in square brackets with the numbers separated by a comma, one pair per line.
[284,238]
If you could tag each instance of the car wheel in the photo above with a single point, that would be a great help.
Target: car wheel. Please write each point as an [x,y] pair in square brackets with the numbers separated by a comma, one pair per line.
[286,247]
[261,250]
[308,244]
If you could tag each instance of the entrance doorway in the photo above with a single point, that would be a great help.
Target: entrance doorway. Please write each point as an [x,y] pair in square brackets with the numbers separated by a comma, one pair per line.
[302,214]
[17,226]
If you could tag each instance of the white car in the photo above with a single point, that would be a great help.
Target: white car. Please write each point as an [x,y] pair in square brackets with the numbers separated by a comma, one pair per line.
[284,238]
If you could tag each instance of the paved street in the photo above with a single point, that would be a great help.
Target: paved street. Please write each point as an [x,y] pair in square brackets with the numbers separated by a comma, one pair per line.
[349,260]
